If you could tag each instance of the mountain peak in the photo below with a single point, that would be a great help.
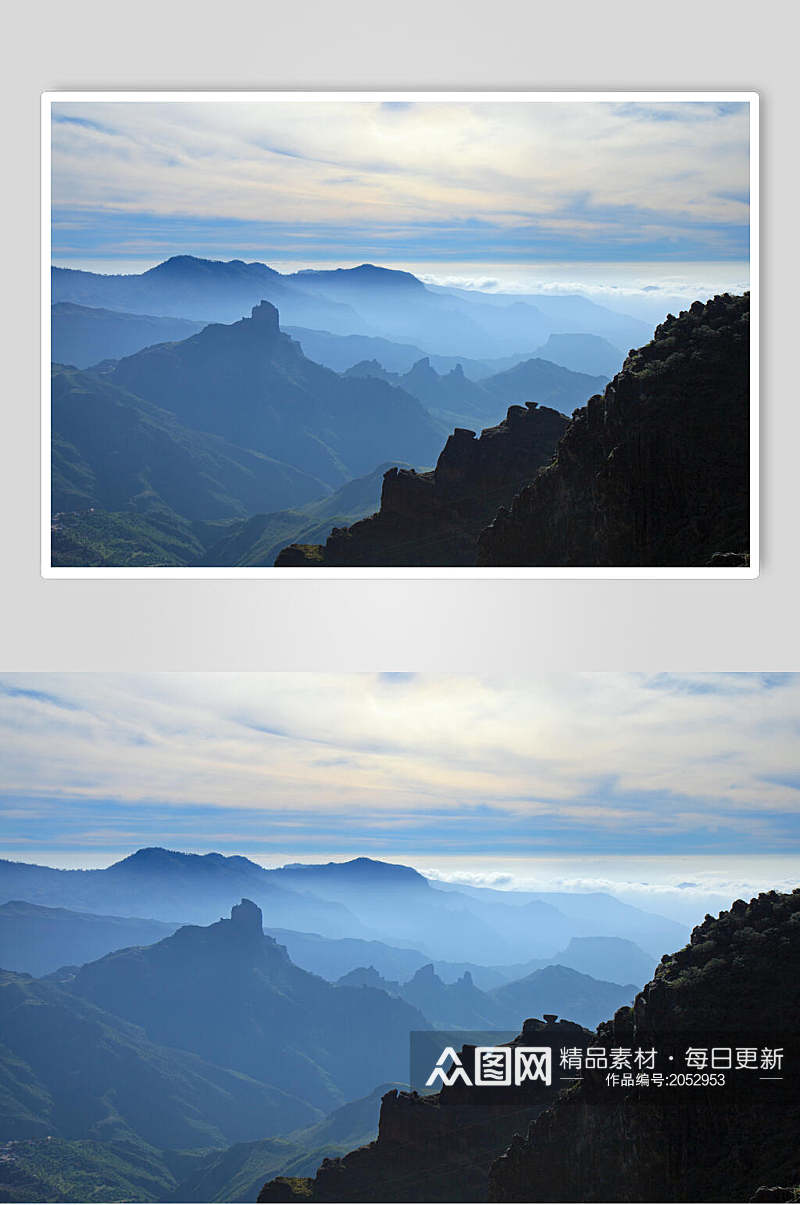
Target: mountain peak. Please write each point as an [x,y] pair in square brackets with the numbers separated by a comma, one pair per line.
[266,315]
[246,917]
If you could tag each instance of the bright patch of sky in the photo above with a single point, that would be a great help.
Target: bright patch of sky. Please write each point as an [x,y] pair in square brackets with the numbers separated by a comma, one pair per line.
[427,182]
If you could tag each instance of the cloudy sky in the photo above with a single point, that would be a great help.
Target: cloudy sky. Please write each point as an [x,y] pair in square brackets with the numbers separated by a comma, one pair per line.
[399,182]
[449,768]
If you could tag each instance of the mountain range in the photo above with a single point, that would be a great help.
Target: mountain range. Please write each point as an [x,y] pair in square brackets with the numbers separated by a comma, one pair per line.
[361,899]
[652,472]
[737,984]
[127,1069]
[454,398]
[462,1005]
[366,300]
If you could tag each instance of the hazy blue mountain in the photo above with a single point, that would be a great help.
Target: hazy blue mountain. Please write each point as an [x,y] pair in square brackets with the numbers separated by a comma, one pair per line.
[561,313]
[333,957]
[462,1004]
[613,958]
[540,381]
[252,385]
[398,306]
[232,995]
[589,913]
[84,335]
[166,884]
[203,290]
[37,940]
[583,353]
[565,992]
[72,1070]
[114,451]
[453,397]
[259,539]
[341,352]
[366,300]
[361,898]
[372,368]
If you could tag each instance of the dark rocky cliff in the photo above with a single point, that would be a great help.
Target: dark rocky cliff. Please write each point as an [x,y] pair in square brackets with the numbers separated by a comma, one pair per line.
[437,1147]
[435,518]
[739,978]
[655,471]
[736,984]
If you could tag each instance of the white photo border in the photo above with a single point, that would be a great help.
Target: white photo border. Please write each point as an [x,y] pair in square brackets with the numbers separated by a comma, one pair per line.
[49,571]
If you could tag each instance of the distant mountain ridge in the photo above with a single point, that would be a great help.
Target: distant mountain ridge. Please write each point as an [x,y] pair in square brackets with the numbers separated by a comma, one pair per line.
[456,399]
[462,1005]
[365,300]
[84,335]
[372,902]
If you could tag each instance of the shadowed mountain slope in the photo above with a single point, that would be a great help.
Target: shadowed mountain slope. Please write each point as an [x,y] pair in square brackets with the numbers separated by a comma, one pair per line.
[74,1071]
[435,518]
[38,940]
[655,472]
[233,996]
[259,539]
[85,335]
[113,450]
[251,384]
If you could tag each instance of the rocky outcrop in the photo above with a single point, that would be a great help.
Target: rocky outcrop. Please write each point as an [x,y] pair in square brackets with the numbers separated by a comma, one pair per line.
[435,518]
[437,1147]
[655,471]
[737,982]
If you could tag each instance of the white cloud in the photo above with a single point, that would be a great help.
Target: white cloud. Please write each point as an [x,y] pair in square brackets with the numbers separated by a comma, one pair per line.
[614,752]
[563,164]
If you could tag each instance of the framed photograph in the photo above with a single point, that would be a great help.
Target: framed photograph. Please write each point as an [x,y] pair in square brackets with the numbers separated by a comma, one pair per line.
[400,334]
[365,937]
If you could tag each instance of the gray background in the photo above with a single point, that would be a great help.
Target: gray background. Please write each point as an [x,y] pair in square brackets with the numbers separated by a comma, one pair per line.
[351,625]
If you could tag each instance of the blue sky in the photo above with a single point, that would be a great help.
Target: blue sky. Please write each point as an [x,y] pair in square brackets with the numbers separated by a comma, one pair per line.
[448,182]
[565,765]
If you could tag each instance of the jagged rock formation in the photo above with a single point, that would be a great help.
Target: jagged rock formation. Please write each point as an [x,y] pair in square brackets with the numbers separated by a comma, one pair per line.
[437,1147]
[655,472]
[739,976]
[435,518]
